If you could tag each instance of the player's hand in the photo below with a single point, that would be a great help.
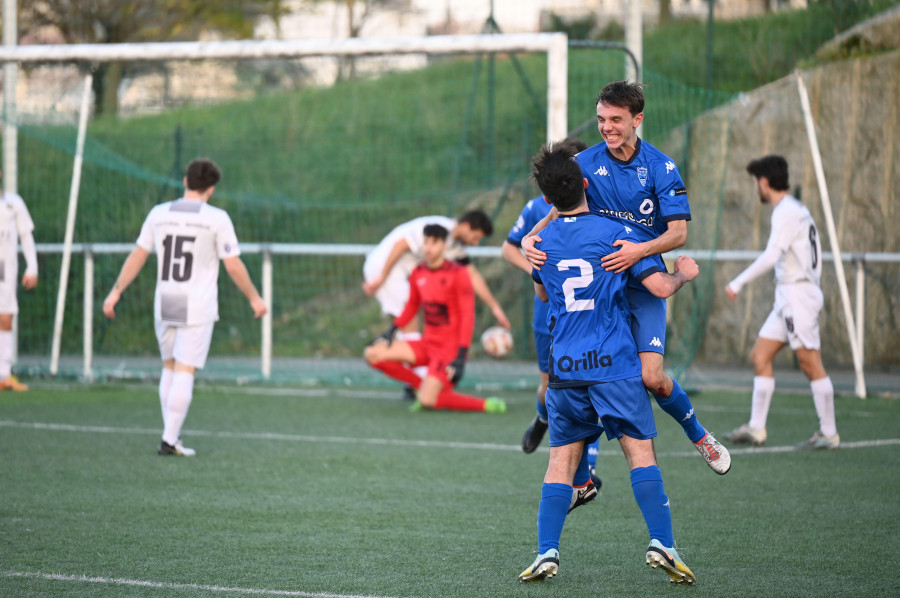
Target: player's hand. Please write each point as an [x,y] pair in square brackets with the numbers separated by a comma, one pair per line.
[109,304]
[455,368]
[501,317]
[259,307]
[628,255]
[386,337]
[370,287]
[535,256]
[687,267]
[29,281]
[730,292]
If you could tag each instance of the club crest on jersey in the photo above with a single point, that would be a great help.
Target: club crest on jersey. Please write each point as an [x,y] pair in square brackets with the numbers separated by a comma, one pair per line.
[642,175]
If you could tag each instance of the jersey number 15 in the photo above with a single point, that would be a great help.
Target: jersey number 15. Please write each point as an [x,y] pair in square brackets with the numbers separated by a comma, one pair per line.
[177,261]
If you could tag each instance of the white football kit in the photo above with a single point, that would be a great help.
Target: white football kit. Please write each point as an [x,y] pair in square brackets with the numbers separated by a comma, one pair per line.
[189,238]
[394,292]
[795,251]
[15,224]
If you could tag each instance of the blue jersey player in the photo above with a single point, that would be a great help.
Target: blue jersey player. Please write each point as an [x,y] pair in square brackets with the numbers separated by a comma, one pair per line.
[632,181]
[595,372]
[533,212]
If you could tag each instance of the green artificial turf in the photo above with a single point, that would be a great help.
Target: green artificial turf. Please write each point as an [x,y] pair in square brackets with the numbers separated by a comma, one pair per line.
[330,492]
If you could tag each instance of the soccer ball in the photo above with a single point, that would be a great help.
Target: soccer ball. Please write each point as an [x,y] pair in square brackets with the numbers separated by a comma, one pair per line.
[497,341]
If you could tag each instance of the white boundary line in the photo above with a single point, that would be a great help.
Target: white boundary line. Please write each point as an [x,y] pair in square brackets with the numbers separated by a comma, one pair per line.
[181,586]
[395,441]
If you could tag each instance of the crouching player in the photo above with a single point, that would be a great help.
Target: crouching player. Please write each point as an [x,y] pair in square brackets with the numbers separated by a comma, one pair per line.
[445,291]
[595,371]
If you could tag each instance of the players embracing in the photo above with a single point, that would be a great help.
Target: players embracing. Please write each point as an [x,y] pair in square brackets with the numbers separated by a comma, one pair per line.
[595,372]
[629,179]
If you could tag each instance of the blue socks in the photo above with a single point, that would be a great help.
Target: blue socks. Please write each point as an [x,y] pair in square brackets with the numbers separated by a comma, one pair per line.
[555,501]
[583,473]
[678,405]
[542,410]
[647,485]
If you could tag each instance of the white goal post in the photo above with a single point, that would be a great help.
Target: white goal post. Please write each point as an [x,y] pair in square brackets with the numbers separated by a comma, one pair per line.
[555,45]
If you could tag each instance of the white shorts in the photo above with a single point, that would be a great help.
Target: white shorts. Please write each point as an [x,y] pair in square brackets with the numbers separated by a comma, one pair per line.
[185,344]
[9,304]
[394,293]
[795,317]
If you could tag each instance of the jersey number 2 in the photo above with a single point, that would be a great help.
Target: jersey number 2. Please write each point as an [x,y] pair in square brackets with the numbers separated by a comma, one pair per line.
[577,282]
[177,262]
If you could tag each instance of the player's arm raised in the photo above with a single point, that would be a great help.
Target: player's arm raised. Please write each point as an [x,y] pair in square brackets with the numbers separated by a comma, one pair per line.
[238,273]
[536,256]
[630,253]
[397,251]
[663,284]
[130,269]
[512,254]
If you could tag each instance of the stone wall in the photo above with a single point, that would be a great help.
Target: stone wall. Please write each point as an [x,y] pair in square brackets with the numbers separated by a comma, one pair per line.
[856,107]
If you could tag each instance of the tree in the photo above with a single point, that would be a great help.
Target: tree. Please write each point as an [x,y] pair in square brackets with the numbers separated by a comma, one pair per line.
[125,21]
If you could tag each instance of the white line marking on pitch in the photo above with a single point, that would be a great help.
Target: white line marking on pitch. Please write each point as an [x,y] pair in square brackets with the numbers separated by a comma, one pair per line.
[395,441]
[181,586]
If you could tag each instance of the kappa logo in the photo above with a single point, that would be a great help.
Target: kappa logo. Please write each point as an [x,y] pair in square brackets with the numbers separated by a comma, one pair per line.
[688,415]
[655,342]
[628,229]
[602,171]
[670,166]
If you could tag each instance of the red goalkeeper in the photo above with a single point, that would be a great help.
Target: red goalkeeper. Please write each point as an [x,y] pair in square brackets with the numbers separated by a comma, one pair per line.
[443,290]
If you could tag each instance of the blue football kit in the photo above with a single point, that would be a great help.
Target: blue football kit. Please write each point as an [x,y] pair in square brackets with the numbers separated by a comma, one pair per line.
[533,212]
[648,191]
[595,371]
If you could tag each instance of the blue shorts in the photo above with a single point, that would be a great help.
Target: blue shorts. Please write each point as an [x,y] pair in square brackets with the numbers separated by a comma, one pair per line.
[622,408]
[648,320]
[542,343]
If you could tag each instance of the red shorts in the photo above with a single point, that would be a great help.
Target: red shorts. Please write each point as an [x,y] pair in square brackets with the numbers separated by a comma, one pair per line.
[436,357]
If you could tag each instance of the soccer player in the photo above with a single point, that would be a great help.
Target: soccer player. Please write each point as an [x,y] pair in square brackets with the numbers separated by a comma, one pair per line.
[15,226]
[595,371]
[533,212]
[795,251]
[633,181]
[443,288]
[189,237]
[387,267]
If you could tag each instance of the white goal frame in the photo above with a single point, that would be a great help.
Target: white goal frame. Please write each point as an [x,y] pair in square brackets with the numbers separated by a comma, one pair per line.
[555,45]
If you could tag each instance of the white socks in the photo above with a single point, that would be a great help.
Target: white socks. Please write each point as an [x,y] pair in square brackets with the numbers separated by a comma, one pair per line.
[178,402]
[823,397]
[763,389]
[6,352]
[165,385]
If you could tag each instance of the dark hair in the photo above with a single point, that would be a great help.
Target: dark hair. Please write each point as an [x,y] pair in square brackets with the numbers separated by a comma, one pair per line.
[478,220]
[202,174]
[436,231]
[558,175]
[624,95]
[773,168]
[577,143]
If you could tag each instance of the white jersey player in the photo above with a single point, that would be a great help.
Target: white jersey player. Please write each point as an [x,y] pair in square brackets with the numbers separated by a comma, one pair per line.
[795,251]
[16,227]
[189,237]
